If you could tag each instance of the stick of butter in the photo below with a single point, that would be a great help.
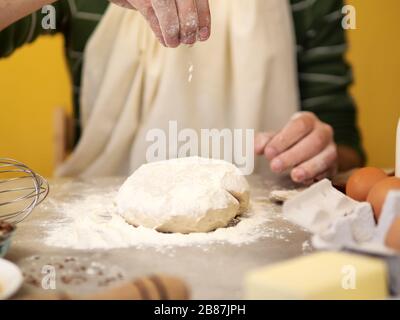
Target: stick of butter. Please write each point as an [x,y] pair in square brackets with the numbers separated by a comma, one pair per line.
[320,276]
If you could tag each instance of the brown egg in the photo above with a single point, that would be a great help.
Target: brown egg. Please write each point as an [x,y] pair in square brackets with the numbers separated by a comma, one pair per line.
[362,181]
[378,193]
[393,236]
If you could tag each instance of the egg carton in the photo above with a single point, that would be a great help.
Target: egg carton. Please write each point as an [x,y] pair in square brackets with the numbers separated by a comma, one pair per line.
[338,222]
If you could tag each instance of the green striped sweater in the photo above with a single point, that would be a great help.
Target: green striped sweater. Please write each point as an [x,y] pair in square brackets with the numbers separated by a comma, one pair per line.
[324,76]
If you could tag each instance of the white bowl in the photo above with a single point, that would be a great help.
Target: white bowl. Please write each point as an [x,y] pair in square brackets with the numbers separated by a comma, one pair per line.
[10,279]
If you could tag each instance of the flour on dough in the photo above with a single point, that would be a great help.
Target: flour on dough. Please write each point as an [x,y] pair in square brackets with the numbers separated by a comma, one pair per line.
[184,195]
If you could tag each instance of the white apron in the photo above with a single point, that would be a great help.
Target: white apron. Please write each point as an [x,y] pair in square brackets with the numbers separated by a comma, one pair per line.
[244,77]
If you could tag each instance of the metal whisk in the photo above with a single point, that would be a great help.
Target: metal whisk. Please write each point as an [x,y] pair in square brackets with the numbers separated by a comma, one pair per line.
[21,190]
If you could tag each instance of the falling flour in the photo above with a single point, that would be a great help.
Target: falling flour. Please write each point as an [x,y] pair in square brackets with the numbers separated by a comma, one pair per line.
[190,72]
[91,221]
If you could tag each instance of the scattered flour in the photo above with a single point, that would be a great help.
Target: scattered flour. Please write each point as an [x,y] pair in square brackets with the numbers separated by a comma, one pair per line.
[91,221]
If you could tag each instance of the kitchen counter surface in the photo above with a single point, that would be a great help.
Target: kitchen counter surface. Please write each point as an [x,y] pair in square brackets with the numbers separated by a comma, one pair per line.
[212,271]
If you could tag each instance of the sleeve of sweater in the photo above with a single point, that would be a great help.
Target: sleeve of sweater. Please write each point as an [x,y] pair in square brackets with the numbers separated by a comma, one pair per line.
[29,28]
[324,74]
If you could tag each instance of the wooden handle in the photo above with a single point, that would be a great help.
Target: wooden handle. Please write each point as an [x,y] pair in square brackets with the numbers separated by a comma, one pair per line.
[156,287]
[63,136]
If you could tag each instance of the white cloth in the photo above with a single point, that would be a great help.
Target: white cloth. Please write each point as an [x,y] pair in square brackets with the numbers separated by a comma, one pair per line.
[244,77]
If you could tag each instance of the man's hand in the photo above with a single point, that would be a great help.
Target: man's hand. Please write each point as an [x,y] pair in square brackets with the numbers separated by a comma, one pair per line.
[174,22]
[305,146]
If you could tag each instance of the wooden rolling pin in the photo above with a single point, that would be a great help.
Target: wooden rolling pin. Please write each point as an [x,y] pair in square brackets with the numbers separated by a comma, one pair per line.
[156,287]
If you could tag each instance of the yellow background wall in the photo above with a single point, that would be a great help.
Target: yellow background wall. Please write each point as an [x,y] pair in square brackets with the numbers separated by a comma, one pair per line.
[32,82]
[35,80]
[375,56]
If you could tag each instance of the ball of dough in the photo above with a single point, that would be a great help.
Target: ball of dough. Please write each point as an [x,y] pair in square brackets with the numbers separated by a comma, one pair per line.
[184,195]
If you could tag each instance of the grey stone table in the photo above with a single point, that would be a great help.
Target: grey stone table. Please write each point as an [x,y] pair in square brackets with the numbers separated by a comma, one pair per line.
[215,272]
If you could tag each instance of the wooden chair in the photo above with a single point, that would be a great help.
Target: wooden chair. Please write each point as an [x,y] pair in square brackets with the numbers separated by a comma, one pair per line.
[63,135]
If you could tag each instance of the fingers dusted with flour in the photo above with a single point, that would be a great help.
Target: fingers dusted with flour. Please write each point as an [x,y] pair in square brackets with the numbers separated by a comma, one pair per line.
[151,17]
[305,147]
[189,21]
[174,22]
[167,14]
[203,9]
